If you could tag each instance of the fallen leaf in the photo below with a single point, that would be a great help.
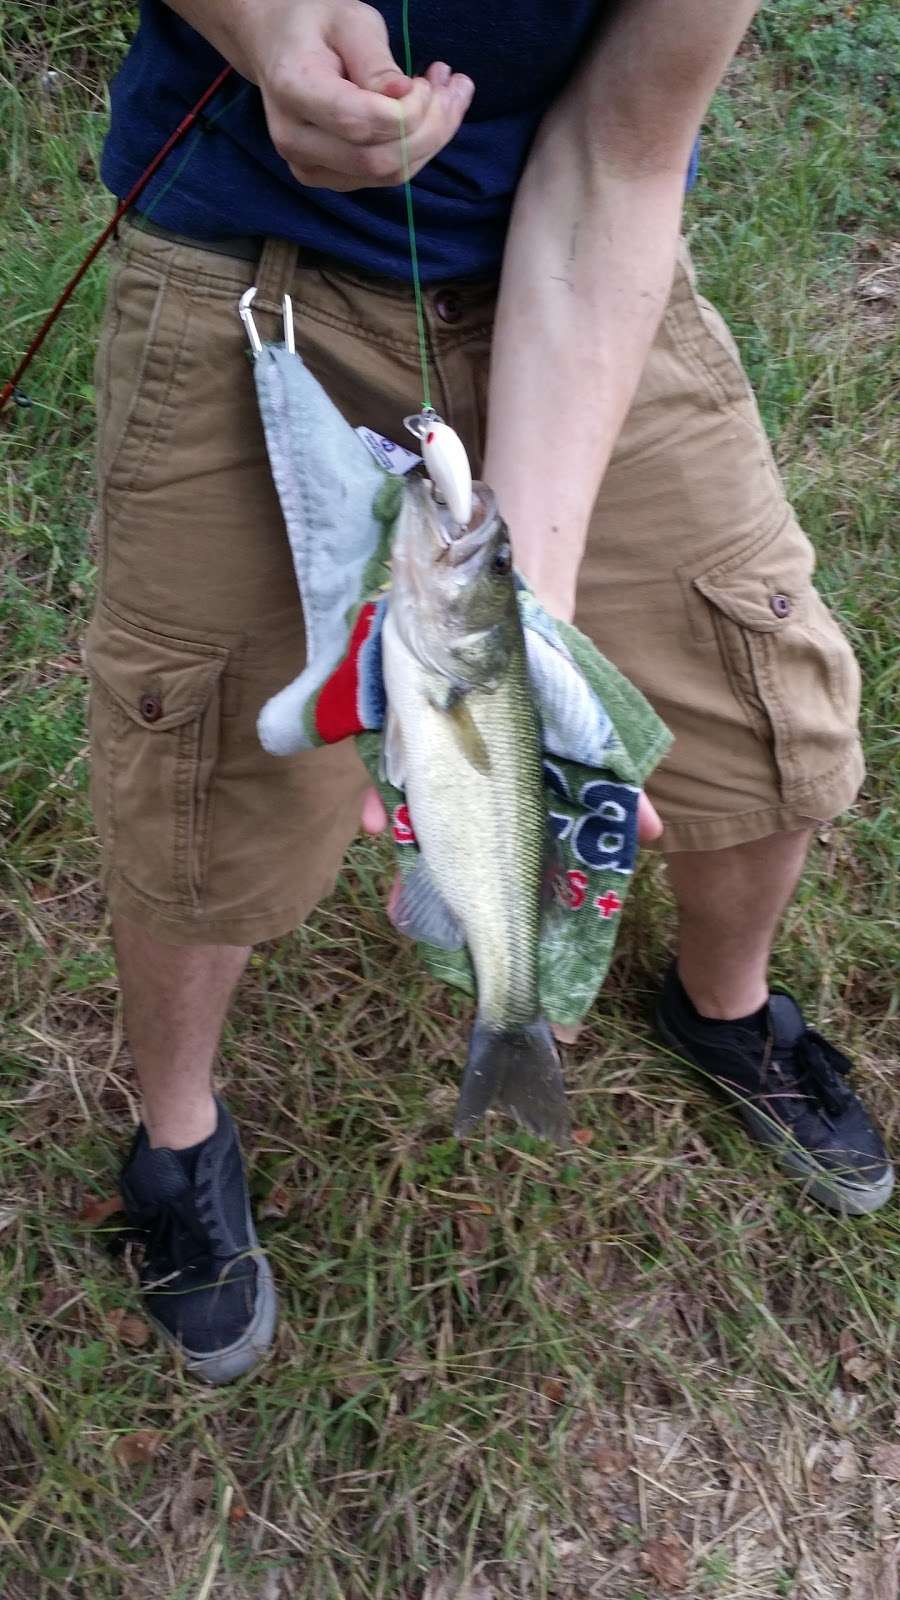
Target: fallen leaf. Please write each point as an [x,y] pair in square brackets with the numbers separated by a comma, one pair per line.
[57,1298]
[582,1135]
[135,1449]
[553,1389]
[848,1345]
[132,1330]
[665,1559]
[609,1461]
[885,1460]
[354,1380]
[95,1211]
[846,1468]
[277,1202]
[473,1231]
[862,1369]
[565,1032]
[188,1506]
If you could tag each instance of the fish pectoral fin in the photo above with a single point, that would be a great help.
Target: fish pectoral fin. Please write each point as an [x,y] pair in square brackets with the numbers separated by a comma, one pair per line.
[442,694]
[468,736]
[421,912]
[393,756]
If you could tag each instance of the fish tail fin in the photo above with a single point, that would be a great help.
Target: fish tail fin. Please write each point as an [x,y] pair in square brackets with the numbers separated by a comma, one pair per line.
[518,1070]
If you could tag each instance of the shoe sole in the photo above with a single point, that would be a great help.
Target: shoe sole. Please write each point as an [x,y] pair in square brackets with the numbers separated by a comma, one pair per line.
[223,1366]
[846,1199]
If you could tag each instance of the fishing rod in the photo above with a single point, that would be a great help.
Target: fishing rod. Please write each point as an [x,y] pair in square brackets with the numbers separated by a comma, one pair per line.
[10,390]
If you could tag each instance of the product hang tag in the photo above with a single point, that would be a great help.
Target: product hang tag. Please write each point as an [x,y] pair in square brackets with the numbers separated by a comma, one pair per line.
[393,457]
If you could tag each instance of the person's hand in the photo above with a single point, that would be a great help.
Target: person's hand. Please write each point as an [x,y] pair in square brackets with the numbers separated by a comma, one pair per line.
[333,92]
[374,817]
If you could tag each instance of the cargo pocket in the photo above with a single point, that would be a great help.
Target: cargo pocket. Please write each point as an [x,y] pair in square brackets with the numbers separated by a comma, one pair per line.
[789,665]
[154,719]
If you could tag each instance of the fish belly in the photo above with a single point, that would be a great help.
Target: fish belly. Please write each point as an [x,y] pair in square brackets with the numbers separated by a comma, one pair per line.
[482,833]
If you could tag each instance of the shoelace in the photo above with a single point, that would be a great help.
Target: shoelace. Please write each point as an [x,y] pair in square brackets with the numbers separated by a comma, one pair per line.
[813,1070]
[176,1237]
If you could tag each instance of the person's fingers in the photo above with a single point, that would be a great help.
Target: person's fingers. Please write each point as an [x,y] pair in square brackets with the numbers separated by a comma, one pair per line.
[374,816]
[314,94]
[438,75]
[359,36]
[314,153]
[649,825]
[564,1032]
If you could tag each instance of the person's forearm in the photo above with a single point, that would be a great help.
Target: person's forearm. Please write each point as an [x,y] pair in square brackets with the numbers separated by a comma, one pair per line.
[231,26]
[586,276]
[588,267]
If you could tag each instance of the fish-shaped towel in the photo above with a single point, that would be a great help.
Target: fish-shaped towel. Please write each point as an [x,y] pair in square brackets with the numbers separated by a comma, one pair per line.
[601,738]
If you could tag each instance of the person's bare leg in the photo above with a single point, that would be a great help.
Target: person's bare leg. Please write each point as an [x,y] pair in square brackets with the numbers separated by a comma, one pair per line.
[730,903]
[175,999]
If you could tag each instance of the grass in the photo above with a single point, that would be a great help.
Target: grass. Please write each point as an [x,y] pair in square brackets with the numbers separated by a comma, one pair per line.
[649,1368]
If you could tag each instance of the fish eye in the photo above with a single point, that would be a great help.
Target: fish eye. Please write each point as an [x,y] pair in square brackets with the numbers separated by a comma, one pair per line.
[501,562]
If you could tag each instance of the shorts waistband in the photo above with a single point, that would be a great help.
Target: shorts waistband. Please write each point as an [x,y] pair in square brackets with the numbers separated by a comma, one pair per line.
[240,247]
[380,308]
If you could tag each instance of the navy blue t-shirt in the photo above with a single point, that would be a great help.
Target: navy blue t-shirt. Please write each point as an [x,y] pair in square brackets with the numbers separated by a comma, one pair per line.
[233,181]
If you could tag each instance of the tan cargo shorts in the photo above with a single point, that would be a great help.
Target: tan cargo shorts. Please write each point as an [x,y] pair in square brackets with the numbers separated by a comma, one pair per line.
[696,583]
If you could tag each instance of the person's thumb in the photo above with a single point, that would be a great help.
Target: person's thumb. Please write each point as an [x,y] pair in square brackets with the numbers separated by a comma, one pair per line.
[360,38]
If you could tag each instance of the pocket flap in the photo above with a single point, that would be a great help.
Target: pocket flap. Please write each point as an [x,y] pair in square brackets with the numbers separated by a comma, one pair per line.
[159,682]
[762,589]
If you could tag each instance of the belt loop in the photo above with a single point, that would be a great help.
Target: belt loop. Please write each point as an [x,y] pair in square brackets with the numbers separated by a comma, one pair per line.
[275,274]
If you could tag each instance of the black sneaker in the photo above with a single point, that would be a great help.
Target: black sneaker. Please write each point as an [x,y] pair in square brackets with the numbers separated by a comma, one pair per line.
[207,1285]
[789,1087]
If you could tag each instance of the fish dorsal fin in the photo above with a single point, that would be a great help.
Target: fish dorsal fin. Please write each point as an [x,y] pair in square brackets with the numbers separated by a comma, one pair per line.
[421,912]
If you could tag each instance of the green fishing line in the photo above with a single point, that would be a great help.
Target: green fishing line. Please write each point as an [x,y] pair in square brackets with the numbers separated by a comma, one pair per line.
[411,223]
[410,216]
[191,147]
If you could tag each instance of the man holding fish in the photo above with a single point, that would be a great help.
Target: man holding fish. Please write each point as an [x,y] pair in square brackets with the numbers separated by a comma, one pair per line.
[602,401]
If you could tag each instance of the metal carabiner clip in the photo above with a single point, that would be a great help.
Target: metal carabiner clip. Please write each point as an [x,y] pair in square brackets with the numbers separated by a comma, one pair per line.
[246,316]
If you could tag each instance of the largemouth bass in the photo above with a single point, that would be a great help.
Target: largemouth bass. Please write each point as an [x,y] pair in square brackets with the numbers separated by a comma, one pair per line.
[462,737]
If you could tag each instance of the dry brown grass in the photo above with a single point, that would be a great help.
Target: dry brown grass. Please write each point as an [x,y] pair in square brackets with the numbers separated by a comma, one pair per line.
[649,1368]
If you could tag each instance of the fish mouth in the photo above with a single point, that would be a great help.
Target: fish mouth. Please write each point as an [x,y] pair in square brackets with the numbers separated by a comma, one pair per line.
[460,543]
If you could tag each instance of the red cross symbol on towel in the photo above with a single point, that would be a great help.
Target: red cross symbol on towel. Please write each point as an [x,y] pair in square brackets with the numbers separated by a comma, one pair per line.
[608,904]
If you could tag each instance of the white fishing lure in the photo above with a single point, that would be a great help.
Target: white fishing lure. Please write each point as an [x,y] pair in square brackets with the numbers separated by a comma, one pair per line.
[446,463]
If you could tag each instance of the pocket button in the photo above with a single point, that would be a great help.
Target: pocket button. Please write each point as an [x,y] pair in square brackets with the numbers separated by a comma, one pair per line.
[150,707]
[448,306]
[781,605]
